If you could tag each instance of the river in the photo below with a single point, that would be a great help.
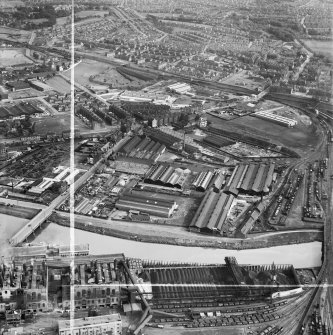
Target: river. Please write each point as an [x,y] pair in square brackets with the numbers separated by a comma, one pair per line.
[300,255]
[9,225]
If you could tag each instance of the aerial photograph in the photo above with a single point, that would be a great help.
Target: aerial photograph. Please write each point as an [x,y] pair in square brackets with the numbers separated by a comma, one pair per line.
[166,167]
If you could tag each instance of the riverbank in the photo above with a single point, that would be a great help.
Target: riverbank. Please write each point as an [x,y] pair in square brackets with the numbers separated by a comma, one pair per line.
[193,239]
[19,211]
[306,255]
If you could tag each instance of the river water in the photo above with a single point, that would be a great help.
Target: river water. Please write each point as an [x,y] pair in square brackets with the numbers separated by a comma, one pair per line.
[300,255]
[9,225]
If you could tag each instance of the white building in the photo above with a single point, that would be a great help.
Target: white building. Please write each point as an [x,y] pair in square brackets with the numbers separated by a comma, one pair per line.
[96,325]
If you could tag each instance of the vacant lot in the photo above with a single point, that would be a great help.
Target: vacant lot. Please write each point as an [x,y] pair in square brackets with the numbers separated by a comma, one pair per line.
[56,124]
[10,57]
[323,47]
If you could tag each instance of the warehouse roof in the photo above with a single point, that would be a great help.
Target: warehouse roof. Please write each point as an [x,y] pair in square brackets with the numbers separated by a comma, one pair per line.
[87,321]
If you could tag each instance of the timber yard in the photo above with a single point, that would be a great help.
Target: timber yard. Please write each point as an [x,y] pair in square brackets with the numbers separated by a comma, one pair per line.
[166,167]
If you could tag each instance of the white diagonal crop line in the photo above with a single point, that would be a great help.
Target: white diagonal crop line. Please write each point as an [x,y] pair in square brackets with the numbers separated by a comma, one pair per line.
[72,189]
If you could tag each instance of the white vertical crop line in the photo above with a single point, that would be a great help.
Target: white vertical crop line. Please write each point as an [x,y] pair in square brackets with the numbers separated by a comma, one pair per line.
[72,189]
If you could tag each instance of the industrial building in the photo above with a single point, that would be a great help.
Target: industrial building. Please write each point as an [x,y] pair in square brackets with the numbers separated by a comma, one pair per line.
[180,88]
[166,175]
[142,148]
[202,180]
[218,281]
[40,86]
[96,325]
[249,221]
[150,205]
[212,212]
[253,179]
[284,121]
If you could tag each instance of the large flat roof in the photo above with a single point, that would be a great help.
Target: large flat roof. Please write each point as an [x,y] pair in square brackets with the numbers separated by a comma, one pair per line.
[88,321]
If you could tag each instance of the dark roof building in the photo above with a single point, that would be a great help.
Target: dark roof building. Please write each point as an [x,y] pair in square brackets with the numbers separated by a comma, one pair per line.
[212,212]
[251,179]
[144,204]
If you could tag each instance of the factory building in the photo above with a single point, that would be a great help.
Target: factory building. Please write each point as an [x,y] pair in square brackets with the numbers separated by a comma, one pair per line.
[166,175]
[96,325]
[253,179]
[249,221]
[283,121]
[153,206]
[142,148]
[212,212]
[202,180]
[180,88]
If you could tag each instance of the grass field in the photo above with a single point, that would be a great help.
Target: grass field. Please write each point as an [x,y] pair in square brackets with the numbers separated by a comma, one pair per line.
[86,69]
[15,34]
[323,47]
[86,13]
[113,78]
[10,57]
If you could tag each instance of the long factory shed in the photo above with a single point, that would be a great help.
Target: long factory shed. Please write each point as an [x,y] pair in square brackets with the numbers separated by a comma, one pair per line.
[212,212]
[251,179]
[144,204]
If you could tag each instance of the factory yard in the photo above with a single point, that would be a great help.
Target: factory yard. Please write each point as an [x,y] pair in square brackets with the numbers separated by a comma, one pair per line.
[300,138]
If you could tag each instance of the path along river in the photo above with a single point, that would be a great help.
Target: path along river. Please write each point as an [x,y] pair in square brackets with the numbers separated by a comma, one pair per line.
[300,255]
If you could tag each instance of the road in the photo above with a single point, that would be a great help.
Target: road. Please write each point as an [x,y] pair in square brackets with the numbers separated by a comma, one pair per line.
[34,223]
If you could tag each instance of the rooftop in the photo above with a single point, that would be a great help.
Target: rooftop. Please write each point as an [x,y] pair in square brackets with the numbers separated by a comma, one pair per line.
[88,321]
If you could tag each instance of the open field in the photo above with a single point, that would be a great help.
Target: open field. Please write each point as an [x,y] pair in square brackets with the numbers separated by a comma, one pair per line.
[59,84]
[86,69]
[301,138]
[113,78]
[14,34]
[10,57]
[242,79]
[323,47]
